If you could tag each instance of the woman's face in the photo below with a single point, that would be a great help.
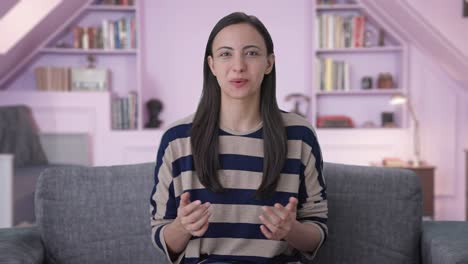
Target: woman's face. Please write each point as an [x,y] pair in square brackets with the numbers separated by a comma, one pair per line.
[240,61]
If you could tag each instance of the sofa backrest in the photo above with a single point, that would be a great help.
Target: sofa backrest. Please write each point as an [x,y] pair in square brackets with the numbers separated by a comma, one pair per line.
[96,215]
[374,215]
[101,215]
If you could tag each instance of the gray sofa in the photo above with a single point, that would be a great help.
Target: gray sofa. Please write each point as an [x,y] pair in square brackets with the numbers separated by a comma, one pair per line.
[101,215]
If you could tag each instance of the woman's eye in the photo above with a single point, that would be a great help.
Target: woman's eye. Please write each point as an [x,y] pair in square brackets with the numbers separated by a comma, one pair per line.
[252,53]
[224,54]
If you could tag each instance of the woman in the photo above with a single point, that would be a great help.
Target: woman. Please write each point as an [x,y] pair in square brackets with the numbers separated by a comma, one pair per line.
[239,181]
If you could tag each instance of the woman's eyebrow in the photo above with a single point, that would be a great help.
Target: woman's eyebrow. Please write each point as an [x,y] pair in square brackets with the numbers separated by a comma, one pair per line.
[244,48]
[251,46]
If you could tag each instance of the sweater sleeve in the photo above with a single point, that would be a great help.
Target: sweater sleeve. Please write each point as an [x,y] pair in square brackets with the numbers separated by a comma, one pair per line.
[163,200]
[313,208]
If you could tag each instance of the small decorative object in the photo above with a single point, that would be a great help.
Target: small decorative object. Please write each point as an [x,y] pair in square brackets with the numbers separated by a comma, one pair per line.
[381,37]
[369,38]
[298,100]
[465,8]
[393,162]
[154,107]
[366,83]
[91,61]
[385,81]
[369,124]
[334,121]
[90,78]
[387,119]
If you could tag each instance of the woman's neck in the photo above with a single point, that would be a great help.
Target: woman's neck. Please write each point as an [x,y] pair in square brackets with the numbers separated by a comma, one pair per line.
[240,115]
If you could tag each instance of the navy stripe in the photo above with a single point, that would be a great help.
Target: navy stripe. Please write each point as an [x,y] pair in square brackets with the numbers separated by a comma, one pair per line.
[307,135]
[243,259]
[235,162]
[238,196]
[233,230]
[257,134]
[156,237]
[182,164]
[301,133]
[302,197]
[171,134]
[315,219]
[172,204]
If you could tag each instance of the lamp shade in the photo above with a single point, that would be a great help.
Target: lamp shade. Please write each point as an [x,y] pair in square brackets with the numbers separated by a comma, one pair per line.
[398,99]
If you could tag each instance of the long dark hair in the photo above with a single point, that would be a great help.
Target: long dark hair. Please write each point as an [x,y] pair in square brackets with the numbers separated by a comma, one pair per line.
[205,127]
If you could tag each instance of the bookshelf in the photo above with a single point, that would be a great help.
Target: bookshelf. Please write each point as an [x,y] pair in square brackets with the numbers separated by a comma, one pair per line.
[350,45]
[109,32]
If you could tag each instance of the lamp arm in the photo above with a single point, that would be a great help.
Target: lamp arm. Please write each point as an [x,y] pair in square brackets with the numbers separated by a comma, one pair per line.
[417,146]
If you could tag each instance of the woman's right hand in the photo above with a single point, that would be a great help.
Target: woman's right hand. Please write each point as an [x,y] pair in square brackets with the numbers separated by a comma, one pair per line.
[193,216]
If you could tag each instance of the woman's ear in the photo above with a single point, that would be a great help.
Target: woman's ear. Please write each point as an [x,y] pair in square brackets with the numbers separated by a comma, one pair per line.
[271,62]
[211,64]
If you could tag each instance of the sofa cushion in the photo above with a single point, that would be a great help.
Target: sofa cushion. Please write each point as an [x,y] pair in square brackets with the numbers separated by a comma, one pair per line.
[96,215]
[445,242]
[18,136]
[374,215]
[24,187]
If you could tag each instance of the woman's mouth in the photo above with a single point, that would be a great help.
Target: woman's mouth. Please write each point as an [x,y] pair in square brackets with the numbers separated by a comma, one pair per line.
[238,82]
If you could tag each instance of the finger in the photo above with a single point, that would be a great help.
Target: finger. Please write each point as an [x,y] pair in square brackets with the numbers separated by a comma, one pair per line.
[196,226]
[185,199]
[188,209]
[196,214]
[202,231]
[265,232]
[292,205]
[271,227]
[272,216]
[281,211]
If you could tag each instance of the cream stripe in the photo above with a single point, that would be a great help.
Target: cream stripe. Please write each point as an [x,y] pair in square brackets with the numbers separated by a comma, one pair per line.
[161,196]
[230,213]
[238,145]
[234,179]
[235,247]
[322,214]
[247,214]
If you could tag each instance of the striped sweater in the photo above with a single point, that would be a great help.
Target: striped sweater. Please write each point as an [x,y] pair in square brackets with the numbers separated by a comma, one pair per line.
[234,227]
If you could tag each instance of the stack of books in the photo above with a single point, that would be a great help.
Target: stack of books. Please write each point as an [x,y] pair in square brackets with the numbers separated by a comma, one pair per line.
[125,112]
[338,31]
[51,78]
[119,34]
[333,75]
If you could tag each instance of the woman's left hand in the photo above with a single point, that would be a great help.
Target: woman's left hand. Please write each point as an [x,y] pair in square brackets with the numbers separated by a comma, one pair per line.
[279,220]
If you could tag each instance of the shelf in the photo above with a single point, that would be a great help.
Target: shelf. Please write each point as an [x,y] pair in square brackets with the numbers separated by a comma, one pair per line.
[360,50]
[374,91]
[111,8]
[76,98]
[339,7]
[89,51]
[361,129]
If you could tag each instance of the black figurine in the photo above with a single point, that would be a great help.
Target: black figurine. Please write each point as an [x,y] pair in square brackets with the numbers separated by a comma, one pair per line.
[154,107]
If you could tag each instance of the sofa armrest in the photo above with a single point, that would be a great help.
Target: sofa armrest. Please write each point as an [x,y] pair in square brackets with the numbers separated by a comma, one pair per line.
[21,245]
[444,242]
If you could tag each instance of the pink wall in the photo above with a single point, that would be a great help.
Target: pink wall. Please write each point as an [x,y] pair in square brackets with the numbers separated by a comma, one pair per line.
[446,17]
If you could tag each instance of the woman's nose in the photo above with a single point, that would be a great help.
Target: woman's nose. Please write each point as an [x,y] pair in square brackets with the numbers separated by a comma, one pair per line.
[239,64]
